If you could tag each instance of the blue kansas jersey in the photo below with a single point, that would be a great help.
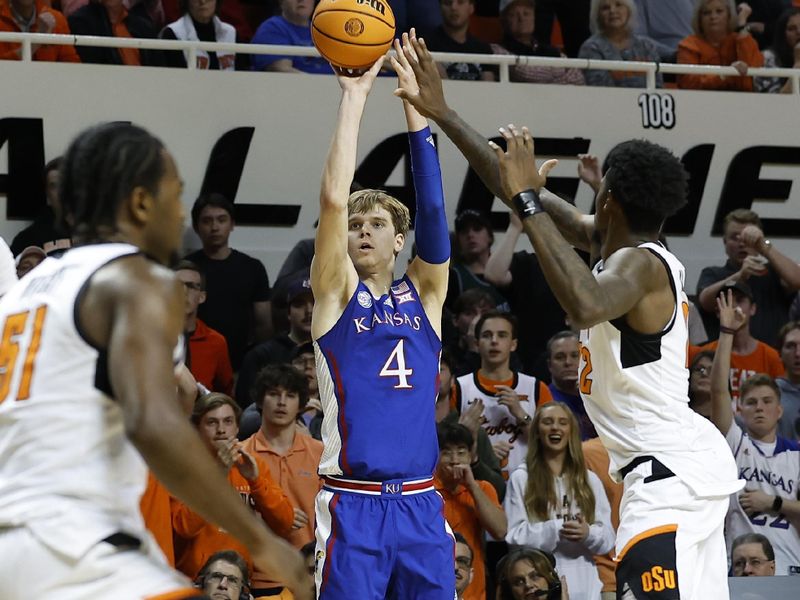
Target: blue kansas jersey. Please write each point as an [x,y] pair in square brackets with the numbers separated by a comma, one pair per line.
[378,370]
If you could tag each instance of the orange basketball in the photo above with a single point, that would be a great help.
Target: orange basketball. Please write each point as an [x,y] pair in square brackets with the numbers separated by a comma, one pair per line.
[352,33]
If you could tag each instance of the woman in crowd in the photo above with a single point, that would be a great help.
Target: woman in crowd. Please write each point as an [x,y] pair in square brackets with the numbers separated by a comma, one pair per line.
[200,23]
[612,23]
[554,503]
[784,52]
[517,17]
[527,572]
[721,37]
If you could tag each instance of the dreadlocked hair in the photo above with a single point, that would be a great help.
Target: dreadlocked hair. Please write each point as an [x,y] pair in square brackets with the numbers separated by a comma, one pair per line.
[101,168]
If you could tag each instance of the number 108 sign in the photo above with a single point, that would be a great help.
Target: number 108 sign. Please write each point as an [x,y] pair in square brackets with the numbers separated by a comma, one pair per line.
[658,110]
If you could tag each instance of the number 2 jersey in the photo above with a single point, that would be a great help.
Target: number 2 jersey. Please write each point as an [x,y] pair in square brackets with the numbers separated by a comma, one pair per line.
[635,389]
[67,470]
[378,372]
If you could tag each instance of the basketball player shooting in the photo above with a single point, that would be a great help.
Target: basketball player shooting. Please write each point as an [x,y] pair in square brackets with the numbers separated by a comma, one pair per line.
[87,389]
[631,308]
[380,529]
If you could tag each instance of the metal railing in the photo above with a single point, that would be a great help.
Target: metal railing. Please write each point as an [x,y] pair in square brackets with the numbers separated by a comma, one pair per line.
[503,61]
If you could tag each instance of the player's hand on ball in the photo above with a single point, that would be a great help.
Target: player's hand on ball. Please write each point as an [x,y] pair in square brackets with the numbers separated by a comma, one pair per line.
[358,82]
[730,316]
[517,163]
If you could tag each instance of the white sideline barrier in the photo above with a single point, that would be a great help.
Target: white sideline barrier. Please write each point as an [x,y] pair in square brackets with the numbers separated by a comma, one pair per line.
[291,120]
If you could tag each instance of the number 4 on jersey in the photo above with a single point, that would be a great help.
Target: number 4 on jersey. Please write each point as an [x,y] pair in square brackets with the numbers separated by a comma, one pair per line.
[398,356]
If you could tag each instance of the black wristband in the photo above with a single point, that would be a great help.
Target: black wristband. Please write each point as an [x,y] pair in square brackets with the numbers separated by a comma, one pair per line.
[777,504]
[730,330]
[527,203]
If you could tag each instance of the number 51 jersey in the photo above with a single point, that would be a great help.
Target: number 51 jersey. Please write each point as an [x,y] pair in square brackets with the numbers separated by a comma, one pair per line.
[378,372]
[68,472]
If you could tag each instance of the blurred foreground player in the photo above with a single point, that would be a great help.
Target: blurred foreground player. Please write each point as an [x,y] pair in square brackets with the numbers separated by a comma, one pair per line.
[380,529]
[87,390]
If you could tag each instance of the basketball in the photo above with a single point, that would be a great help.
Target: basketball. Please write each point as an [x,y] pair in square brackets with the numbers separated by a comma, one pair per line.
[352,34]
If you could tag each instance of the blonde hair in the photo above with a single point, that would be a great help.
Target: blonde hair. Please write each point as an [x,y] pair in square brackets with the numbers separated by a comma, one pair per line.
[698,8]
[594,16]
[540,491]
[363,201]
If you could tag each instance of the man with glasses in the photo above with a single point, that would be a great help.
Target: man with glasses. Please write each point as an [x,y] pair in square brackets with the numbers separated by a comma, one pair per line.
[752,556]
[225,576]
[208,351]
[464,571]
[471,507]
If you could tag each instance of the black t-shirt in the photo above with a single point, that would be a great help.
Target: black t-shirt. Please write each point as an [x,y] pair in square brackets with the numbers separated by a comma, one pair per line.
[232,286]
[771,298]
[276,351]
[439,41]
[539,314]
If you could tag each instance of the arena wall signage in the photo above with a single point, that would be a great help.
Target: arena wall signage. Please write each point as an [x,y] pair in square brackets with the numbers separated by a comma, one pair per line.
[261,139]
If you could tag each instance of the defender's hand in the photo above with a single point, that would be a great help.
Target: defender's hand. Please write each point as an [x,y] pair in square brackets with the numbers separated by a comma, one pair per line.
[517,164]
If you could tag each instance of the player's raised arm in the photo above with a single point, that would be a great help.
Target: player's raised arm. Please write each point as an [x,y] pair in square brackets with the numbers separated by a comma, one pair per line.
[629,274]
[333,277]
[429,269]
[429,101]
[730,319]
[134,310]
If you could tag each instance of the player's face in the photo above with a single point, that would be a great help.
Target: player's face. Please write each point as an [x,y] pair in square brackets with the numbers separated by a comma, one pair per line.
[474,241]
[525,581]
[218,425]
[193,285]
[164,231]
[300,310]
[563,362]
[372,242]
[519,22]
[613,15]
[496,343]
[554,429]
[734,247]
[790,354]
[700,376]
[749,560]
[223,581]
[280,407]
[456,13]
[463,567]
[214,227]
[761,410]
[793,31]
[714,18]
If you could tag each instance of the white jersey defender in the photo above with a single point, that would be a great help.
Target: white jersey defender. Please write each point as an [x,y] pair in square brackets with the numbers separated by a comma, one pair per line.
[69,476]
[677,469]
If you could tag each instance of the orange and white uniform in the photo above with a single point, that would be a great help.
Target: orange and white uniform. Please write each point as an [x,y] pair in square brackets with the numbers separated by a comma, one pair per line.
[70,480]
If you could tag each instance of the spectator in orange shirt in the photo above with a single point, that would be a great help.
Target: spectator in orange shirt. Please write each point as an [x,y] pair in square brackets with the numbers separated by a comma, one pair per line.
[34,16]
[293,457]
[749,356]
[216,417]
[208,350]
[110,18]
[721,37]
[471,507]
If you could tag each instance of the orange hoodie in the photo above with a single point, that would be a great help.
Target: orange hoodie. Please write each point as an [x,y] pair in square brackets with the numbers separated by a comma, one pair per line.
[48,52]
[694,50]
